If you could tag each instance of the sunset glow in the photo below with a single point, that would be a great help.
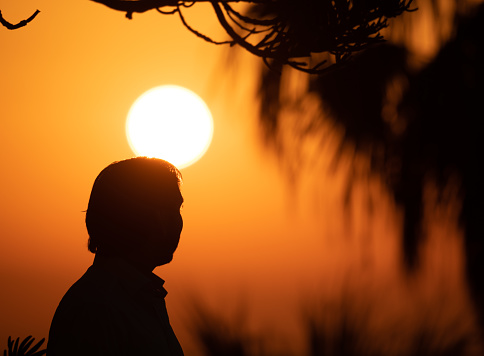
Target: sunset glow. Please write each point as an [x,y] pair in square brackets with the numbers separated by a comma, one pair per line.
[283,241]
[172,123]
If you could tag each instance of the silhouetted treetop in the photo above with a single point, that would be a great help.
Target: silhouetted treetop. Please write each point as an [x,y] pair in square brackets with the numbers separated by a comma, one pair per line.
[309,35]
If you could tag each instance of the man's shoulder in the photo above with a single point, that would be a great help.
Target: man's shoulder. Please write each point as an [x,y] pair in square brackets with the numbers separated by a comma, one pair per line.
[94,287]
[86,312]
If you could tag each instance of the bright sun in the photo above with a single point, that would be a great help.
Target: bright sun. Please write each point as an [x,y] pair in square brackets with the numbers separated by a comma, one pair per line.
[172,123]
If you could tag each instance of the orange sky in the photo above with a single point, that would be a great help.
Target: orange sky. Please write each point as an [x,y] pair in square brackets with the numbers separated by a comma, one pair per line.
[67,82]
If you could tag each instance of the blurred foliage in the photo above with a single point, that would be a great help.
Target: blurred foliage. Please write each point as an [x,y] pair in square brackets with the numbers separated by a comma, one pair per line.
[17,348]
[415,118]
[330,329]
[412,123]
[218,335]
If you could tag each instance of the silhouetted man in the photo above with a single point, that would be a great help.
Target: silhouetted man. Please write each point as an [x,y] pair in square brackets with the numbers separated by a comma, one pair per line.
[117,307]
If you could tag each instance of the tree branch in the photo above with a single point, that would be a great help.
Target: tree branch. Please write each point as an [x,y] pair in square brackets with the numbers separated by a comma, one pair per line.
[20,24]
[130,6]
[303,34]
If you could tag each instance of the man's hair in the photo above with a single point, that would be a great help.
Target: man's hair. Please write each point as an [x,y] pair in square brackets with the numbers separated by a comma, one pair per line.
[124,199]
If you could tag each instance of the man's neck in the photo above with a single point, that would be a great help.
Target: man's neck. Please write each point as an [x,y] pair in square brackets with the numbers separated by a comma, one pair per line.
[139,264]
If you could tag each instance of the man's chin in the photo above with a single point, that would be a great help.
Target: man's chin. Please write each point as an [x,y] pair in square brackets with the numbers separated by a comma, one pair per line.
[165,260]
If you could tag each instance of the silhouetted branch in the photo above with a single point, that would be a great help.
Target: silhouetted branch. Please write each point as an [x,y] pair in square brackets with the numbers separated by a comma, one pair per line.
[20,24]
[14,349]
[136,6]
[197,33]
[309,35]
[131,6]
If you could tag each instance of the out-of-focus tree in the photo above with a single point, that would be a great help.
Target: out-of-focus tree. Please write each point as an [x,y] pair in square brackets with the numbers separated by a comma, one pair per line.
[415,119]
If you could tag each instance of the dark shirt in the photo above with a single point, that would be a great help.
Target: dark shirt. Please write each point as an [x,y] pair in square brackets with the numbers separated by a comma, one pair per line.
[113,309]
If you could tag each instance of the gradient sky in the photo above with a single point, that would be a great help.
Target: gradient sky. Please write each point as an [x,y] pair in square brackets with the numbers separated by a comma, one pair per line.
[67,82]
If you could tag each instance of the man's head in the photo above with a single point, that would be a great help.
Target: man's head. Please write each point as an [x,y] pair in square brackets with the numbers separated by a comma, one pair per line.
[134,209]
